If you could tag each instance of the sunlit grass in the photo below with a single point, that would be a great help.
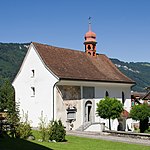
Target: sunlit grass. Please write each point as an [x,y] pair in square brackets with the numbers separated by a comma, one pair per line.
[72,143]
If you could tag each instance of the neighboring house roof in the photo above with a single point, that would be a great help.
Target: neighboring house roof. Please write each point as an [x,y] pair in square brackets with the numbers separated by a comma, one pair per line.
[146,96]
[141,95]
[76,65]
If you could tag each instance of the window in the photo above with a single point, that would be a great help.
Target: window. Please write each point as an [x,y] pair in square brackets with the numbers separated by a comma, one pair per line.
[89,47]
[89,53]
[33,73]
[123,99]
[93,53]
[106,94]
[88,92]
[33,91]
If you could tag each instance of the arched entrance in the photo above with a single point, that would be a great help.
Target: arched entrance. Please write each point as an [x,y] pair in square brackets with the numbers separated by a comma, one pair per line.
[88,111]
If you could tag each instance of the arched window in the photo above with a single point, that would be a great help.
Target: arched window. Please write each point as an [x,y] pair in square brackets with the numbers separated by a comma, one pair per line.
[89,47]
[106,94]
[123,99]
[89,53]
[93,53]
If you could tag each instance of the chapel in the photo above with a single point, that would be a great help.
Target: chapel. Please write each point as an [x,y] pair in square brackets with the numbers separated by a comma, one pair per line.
[67,84]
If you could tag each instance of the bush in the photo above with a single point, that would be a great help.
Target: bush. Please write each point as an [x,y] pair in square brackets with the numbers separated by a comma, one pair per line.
[24,128]
[148,130]
[43,128]
[57,131]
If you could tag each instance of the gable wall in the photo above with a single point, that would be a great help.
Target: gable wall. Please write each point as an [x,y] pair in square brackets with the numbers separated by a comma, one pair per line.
[42,81]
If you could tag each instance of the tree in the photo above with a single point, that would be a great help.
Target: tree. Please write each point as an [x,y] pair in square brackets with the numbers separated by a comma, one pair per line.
[109,108]
[7,100]
[7,104]
[141,112]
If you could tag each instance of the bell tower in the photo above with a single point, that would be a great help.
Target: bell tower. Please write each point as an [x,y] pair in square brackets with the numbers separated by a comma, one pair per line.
[90,41]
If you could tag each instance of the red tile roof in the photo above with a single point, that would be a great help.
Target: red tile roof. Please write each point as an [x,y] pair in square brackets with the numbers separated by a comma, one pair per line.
[76,65]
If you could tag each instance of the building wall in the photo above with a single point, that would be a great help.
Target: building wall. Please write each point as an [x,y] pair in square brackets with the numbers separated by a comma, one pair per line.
[114,91]
[65,94]
[71,88]
[68,97]
[42,81]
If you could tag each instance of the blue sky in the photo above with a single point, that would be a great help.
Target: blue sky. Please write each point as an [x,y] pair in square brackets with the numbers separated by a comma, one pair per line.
[122,26]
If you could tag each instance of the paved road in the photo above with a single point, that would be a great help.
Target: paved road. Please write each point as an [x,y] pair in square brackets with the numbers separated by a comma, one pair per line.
[106,136]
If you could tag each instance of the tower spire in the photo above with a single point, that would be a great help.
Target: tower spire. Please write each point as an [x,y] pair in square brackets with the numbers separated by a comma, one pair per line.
[89,19]
[90,41]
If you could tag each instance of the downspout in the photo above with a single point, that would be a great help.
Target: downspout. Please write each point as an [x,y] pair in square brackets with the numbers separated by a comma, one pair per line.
[54,99]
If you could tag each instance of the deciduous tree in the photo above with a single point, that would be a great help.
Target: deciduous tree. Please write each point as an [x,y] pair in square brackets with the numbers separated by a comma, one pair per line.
[109,108]
[141,112]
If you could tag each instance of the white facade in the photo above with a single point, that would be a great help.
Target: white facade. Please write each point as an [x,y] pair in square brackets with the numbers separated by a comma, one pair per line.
[37,90]
[114,90]
[34,88]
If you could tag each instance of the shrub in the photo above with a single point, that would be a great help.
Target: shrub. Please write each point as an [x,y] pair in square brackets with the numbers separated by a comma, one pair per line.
[57,131]
[148,130]
[24,128]
[43,128]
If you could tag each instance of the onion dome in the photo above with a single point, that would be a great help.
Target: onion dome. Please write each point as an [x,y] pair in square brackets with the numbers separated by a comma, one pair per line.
[90,37]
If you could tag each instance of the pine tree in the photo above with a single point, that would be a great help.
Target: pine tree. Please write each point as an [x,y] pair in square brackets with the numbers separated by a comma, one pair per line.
[8,105]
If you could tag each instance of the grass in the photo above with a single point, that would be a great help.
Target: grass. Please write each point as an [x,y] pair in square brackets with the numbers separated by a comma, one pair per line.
[73,143]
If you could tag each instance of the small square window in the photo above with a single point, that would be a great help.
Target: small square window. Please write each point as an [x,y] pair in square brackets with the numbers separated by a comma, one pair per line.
[88,92]
[33,73]
[33,91]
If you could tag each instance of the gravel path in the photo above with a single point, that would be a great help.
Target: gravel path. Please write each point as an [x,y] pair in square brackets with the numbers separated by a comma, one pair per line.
[106,136]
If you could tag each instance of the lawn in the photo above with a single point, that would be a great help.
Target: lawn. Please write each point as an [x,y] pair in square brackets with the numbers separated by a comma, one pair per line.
[73,143]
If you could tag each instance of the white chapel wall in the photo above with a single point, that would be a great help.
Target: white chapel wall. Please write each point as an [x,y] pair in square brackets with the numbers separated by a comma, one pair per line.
[42,81]
[114,91]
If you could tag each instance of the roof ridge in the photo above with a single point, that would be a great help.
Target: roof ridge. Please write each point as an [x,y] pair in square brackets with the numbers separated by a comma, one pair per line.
[34,43]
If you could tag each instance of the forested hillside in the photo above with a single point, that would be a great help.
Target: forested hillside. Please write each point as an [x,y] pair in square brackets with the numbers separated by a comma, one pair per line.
[12,54]
[139,72]
[11,57]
